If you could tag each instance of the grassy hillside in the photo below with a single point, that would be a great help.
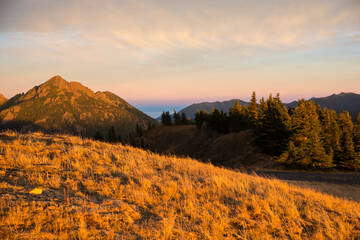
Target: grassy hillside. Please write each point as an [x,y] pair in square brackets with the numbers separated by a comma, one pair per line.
[98,190]
[62,106]
[231,150]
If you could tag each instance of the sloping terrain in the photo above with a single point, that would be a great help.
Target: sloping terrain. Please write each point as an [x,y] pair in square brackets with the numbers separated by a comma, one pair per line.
[2,99]
[231,150]
[68,188]
[58,105]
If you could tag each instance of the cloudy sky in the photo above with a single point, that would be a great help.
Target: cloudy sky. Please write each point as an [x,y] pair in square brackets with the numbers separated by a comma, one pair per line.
[178,52]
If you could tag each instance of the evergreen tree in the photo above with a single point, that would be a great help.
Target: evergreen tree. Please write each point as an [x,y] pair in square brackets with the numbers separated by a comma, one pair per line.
[357,137]
[330,134]
[206,116]
[184,120]
[112,134]
[98,136]
[163,117]
[166,119]
[305,145]
[215,120]
[290,111]
[224,123]
[201,117]
[273,128]
[319,111]
[347,157]
[252,111]
[234,116]
[238,117]
[177,118]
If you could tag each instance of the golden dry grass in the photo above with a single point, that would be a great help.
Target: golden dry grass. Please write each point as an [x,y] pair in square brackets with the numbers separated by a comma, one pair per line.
[94,190]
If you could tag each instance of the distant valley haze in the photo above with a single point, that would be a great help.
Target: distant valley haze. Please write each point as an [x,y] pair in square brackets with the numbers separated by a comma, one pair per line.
[155,111]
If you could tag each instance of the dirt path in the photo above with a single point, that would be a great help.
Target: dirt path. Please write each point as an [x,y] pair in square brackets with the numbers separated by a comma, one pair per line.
[352,179]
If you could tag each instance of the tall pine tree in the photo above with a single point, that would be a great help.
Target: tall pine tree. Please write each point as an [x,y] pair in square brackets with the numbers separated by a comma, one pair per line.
[330,134]
[177,118]
[347,157]
[199,118]
[184,120]
[357,137]
[252,111]
[215,120]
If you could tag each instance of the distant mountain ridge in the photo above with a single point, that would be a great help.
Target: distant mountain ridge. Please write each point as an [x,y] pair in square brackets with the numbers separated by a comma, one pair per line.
[59,105]
[224,106]
[338,102]
[341,102]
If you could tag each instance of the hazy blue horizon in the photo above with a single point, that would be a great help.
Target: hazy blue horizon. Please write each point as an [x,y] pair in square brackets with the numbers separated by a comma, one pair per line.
[155,111]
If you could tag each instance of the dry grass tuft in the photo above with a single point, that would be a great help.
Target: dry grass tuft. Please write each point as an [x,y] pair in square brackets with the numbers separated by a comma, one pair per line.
[104,191]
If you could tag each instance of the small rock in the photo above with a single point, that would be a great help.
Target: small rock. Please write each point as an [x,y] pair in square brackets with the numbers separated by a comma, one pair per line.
[36,191]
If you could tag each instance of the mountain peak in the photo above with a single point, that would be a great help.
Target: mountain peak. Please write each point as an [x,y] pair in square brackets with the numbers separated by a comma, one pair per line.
[57,81]
[345,94]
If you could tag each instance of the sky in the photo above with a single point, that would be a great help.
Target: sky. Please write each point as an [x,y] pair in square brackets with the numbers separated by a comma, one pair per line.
[174,53]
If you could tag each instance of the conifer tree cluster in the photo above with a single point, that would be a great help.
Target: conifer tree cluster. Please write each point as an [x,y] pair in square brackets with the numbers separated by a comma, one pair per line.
[239,117]
[305,147]
[272,129]
[176,119]
[166,119]
[217,120]
[111,136]
[306,136]
[184,120]
[114,138]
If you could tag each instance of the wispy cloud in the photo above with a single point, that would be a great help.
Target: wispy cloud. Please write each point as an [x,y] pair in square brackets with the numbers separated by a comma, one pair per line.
[167,25]
[170,35]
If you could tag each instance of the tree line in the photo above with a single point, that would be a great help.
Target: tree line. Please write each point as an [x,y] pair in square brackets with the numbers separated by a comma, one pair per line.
[176,119]
[306,136]
[113,137]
